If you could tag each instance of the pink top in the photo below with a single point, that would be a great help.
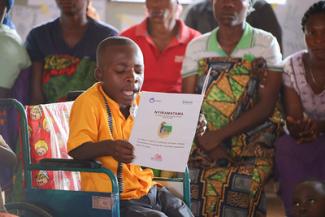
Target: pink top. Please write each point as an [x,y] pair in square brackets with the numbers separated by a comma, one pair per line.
[294,77]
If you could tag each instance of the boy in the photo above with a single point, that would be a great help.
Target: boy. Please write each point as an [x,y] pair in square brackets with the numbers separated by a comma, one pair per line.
[309,199]
[100,123]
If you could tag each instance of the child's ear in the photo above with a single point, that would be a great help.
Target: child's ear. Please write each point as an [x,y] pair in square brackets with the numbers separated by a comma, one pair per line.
[98,74]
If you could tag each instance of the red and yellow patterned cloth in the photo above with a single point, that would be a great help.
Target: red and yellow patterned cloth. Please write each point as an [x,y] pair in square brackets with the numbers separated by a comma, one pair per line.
[48,133]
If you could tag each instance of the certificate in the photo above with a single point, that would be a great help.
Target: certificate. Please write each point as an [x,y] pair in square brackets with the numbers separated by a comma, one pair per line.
[164,129]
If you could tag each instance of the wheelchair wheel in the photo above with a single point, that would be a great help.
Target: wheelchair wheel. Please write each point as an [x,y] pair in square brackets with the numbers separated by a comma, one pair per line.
[23,209]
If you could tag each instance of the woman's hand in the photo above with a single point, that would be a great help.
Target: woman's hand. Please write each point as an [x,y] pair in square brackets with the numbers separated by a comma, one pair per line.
[294,126]
[305,130]
[219,153]
[210,140]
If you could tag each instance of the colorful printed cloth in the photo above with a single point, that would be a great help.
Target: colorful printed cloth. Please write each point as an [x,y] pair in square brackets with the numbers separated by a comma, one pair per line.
[233,189]
[48,134]
[66,68]
[64,73]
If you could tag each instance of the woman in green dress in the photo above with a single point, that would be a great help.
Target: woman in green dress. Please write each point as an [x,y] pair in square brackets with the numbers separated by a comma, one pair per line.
[230,163]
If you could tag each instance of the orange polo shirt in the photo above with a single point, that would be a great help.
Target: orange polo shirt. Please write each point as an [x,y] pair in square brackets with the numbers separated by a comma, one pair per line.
[89,123]
[162,68]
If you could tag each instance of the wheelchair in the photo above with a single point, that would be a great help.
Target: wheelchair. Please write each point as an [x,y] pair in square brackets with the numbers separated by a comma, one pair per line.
[8,160]
[66,201]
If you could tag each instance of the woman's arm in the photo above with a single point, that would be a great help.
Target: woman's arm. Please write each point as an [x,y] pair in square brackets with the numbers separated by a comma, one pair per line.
[189,83]
[294,111]
[268,95]
[37,96]
[301,127]
[292,103]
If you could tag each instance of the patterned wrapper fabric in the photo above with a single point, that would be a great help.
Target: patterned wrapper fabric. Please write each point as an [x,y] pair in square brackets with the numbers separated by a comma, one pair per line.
[48,133]
[232,90]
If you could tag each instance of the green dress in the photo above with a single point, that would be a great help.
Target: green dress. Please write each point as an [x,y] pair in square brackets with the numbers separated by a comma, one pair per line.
[222,188]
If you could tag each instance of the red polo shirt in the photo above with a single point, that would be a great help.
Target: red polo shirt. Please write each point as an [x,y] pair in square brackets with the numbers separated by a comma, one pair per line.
[162,68]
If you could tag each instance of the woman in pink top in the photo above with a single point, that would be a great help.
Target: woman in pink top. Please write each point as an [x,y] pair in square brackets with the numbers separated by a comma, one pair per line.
[300,155]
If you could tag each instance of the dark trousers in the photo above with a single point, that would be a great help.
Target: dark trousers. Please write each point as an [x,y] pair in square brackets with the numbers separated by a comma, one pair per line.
[159,202]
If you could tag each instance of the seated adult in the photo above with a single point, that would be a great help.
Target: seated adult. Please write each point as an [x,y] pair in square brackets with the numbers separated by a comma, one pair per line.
[200,17]
[63,52]
[231,162]
[300,154]
[13,55]
[162,38]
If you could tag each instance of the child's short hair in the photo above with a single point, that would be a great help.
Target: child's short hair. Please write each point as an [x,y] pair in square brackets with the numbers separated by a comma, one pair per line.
[319,183]
[113,41]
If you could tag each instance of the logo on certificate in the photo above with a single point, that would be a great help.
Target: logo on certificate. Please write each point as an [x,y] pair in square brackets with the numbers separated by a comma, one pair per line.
[156,157]
[165,130]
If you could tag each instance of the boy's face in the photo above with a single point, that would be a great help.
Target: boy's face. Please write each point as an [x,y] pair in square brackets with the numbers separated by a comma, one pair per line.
[121,73]
[309,201]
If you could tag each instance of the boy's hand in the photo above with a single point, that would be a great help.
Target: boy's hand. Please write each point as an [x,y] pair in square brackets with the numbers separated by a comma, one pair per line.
[122,151]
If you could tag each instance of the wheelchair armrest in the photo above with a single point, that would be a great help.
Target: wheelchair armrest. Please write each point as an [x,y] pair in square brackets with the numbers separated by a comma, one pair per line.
[70,163]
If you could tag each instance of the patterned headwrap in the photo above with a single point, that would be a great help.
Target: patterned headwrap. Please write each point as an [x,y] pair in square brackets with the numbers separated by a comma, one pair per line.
[8,20]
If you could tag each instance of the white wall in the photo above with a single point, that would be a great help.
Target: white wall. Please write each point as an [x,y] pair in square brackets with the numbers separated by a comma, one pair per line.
[289,16]
[28,13]
[123,15]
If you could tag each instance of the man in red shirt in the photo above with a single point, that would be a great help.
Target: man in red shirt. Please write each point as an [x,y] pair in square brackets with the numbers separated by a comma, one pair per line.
[162,38]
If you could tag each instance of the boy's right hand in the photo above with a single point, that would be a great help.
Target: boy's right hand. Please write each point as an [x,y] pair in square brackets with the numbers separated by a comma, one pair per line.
[122,151]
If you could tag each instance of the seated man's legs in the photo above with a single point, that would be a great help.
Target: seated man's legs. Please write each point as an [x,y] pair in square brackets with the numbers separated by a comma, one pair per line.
[159,202]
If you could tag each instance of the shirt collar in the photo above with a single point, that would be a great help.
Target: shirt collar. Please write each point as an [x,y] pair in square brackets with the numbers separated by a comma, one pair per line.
[115,106]
[246,41]
[182,36]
